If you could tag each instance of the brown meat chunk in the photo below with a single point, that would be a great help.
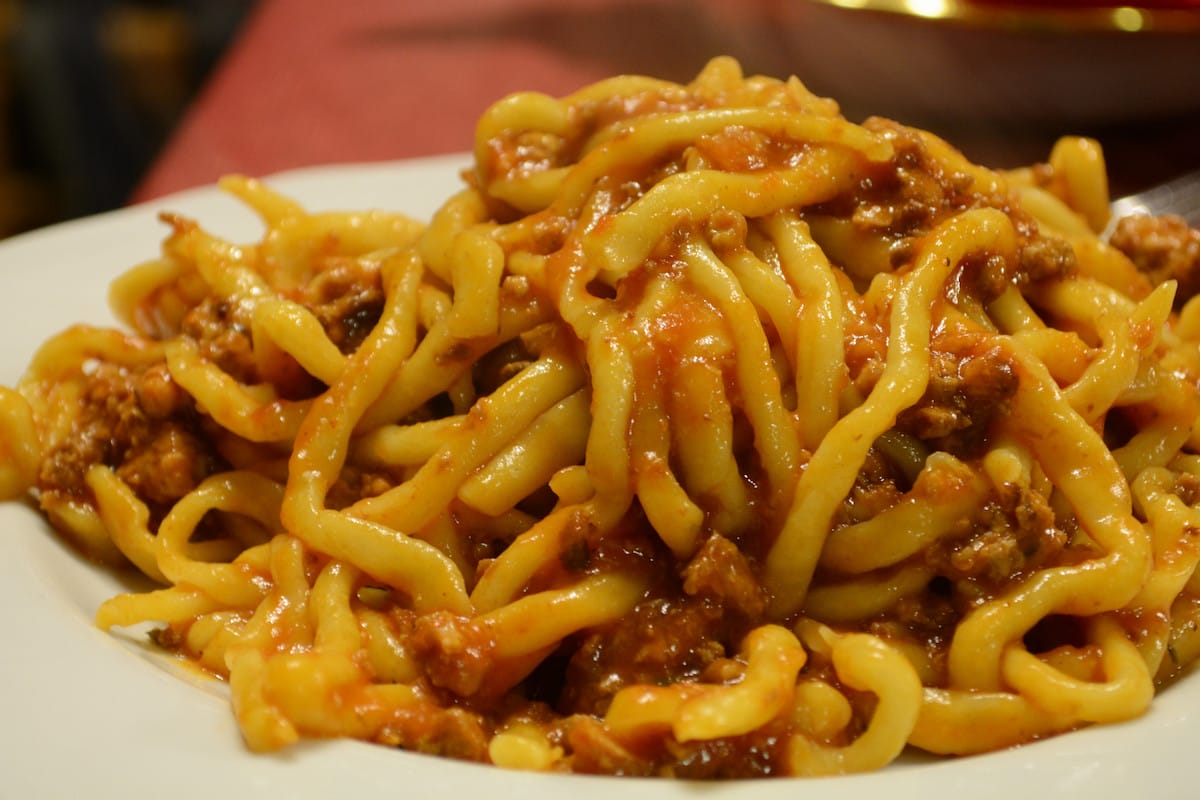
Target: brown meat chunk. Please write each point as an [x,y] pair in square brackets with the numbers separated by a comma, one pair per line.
[222,331]
[347,297]
[720,573]
[596,751]
[158,395]
[749,756]
[968,389]
[456,654]
[909,195]
[876,488]
[138,423]
[1012,534]
[660,641]
[450,732]
[170,463]
[1163,248]
[1044,257]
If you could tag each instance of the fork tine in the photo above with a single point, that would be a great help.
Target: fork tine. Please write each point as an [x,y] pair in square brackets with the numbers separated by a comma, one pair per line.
[1179,196]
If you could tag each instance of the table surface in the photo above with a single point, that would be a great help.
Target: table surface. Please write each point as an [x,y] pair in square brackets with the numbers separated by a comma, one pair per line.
[313,82]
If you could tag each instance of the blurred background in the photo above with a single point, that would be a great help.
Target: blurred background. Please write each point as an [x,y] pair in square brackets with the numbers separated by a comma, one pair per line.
[90,90]
[107,102]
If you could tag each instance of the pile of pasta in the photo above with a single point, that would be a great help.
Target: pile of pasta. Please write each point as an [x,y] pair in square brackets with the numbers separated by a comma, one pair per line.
[703,433]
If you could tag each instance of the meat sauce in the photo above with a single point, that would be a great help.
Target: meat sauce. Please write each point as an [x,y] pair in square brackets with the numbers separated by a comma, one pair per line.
[689,625]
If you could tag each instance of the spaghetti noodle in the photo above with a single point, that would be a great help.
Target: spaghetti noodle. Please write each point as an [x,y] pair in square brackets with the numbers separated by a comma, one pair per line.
[703,433]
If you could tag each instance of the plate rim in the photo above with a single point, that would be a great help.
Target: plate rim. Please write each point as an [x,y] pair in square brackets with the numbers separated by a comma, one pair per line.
[182,737]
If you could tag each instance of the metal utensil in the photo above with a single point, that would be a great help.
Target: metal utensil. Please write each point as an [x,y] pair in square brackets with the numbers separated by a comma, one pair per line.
[1179,196]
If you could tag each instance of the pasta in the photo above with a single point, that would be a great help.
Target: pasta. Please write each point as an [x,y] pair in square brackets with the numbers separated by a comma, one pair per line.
[704,433]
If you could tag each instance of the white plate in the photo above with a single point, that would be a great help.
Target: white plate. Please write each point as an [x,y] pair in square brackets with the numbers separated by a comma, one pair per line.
[89,714]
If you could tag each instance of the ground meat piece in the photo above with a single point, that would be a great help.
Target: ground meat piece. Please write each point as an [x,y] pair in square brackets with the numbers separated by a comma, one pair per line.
[753,755]
[866,348]
[910,194]
[660,641]
[994,553]
[740,149]
[142,425]
[927,613]
[596,751]
[171,463]
[1163,248]
[877,487]
[222,331]
[455,654]
[354,483]
[720,573]
[347,297]
[967,390]
[450,732]
[1044,257]
[158,395]
[988,275]
[1015,532]
[63,467]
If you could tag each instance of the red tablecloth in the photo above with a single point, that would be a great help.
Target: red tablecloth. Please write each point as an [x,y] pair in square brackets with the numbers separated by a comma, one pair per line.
[322,81]
[314,82]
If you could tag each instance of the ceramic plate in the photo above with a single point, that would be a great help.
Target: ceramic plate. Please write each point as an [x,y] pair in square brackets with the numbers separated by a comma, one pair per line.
[93,715]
